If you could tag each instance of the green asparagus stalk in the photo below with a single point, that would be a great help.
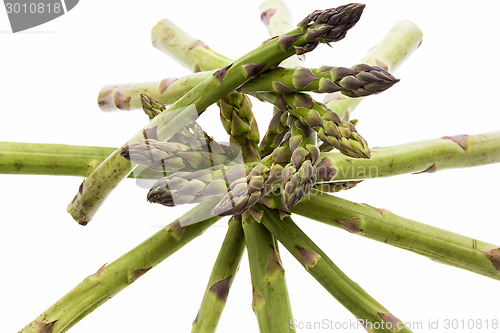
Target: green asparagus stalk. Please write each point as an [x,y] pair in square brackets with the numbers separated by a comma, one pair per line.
[50,159]
[110,279]
[374,316]
[330,26]
[422,156]
[383,226]
[354,82]
[223,273]
[270,296]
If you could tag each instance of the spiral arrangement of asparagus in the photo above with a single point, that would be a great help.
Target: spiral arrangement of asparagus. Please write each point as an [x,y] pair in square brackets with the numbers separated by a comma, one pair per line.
[239,179]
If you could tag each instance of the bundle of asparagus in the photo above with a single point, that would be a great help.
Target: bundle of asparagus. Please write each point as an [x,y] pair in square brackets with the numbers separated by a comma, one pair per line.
[310,149]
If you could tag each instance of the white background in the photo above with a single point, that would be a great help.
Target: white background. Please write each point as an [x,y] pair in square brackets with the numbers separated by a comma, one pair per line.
[49,79]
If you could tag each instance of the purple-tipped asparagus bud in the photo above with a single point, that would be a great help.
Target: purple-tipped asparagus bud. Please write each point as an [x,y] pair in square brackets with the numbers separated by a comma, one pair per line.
[334,132]
[361,80]
[156,155]
[193,187]
[174,156]
[331,25]
[342,135]
[151,106]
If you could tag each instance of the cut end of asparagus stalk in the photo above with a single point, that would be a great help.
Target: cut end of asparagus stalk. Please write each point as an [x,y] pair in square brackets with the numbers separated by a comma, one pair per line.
[110,99]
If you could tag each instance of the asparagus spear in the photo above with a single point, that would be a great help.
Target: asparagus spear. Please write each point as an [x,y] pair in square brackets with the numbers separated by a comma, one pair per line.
[321,26]
[331,129]
[374,316]
[383,226]
[270,297]
[191,187]
[110,279]
[354,82]
[223,273]
[423,156]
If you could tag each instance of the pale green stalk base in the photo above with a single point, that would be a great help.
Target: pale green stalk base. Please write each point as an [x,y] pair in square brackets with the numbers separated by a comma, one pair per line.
[317,263]
[422,156]
[50,159]
[126,96]
[383,226]
[111,279]
[195,55]
[223,273]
